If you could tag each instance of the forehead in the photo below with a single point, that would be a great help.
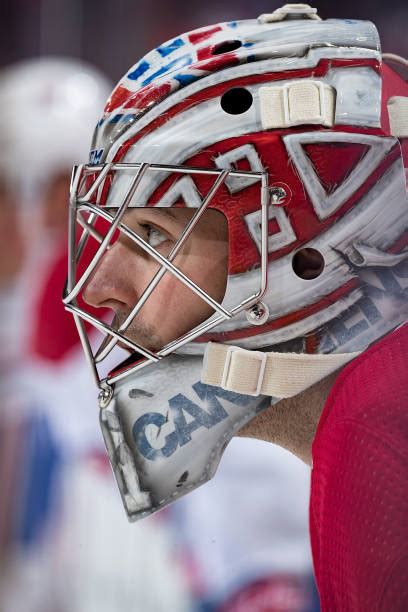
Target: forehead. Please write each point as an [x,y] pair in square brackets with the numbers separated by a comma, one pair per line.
[210,225]
[159,214]
[172,216]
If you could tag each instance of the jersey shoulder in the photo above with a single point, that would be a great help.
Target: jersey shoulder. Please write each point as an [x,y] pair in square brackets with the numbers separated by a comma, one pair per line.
[372,391]
[359,492]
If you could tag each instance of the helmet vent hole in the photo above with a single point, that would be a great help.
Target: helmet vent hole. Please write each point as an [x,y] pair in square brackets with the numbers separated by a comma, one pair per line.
[226,47]
[236,101]
[308,263]
[182,479]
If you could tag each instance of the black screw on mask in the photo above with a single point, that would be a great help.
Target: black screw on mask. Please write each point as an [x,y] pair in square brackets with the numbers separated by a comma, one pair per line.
[257,314]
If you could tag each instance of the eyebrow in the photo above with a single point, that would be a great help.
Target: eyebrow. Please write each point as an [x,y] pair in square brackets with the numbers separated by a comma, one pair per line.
[168,212]
[163,211]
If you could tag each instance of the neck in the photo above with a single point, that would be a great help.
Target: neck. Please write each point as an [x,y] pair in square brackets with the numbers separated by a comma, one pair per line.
[292,422]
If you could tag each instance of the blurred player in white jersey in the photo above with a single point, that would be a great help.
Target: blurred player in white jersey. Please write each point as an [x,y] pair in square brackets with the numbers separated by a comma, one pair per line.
[235,569]
[56,552]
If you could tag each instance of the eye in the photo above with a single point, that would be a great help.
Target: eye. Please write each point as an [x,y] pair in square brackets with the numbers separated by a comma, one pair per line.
[153,235]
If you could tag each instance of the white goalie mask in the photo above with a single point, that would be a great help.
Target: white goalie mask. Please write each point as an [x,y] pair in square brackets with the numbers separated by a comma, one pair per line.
[241,230]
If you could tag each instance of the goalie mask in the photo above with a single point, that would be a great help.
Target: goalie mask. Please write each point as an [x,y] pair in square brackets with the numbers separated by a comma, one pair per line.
[240,230]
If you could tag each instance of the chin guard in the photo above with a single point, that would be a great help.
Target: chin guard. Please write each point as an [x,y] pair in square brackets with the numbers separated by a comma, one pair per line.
[165,431]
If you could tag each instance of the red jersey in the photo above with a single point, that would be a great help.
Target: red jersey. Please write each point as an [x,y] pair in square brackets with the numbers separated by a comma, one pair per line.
[359,494]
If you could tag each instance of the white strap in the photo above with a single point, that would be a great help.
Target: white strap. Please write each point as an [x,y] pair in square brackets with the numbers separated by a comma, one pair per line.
[273,374]
[297,103]
[301,10]
[398,114]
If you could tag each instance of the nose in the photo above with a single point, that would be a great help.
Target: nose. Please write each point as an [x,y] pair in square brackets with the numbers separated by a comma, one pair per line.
[113,282]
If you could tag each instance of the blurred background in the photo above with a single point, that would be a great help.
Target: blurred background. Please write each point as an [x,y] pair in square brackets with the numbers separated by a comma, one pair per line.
[113,35]
[238,544]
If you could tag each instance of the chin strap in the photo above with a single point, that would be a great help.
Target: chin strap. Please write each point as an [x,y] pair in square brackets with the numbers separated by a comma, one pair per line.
[255,373]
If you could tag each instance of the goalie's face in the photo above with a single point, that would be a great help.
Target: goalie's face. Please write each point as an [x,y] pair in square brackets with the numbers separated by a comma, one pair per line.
[126,270]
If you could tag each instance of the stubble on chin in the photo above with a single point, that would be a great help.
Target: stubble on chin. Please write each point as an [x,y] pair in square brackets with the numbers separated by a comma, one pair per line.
[139,332]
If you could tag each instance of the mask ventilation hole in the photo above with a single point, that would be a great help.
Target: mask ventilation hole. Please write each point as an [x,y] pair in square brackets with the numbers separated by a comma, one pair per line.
[236,101]
[182,479]
[226,47]
[308,263]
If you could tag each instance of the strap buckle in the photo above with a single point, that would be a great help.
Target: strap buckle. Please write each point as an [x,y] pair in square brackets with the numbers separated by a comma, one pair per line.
[297,103]
[250,356]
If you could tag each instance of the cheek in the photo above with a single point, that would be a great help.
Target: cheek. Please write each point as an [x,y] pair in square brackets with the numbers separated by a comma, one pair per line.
[210,273]
[172,296]
[173,308]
